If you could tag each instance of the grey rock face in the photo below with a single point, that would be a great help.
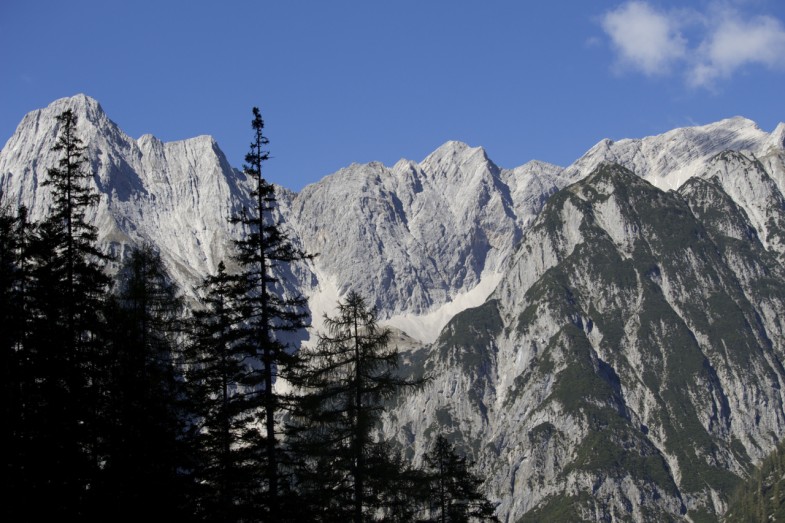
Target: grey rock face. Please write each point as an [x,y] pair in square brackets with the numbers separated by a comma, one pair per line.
[415,235]
[670,159]
[629,365]
[412,236]
[176,196]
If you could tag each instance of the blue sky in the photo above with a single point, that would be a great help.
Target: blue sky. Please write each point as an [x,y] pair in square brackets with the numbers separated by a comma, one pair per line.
[355,81]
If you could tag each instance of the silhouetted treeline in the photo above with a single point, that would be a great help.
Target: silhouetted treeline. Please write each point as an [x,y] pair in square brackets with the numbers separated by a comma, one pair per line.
[121,403]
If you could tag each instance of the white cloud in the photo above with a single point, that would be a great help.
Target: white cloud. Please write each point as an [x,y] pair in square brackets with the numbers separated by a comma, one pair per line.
[723,41]
[734,43]
[646,39]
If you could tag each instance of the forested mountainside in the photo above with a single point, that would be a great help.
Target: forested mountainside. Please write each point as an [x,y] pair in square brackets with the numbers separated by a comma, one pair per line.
[760,497]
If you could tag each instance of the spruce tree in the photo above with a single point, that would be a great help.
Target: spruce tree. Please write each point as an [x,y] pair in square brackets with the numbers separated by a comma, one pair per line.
[146,457]
[345,380]
[17,374]
[455,488]
[401,491]
[15,235]
[217,366]
[82,277]
[60,346]
[268,315]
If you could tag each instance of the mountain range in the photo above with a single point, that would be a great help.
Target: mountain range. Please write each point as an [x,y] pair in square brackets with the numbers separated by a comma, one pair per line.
[604,339]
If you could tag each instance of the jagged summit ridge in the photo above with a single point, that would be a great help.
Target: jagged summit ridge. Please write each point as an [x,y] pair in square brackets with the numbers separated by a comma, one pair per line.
[427,232]
[670,159]
[449,157]
[459,216]
[778,136]
[408,224]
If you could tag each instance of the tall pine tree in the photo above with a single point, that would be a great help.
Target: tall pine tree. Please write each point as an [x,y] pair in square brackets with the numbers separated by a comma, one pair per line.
[217,355]
[268,316]
[345,381]
[13,239]
[146,457]
[60,347]
[82,278]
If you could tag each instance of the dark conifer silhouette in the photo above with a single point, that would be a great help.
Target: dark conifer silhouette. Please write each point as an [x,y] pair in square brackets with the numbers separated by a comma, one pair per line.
[14,236]
[399,489]
[345,380]
[59,346]
[217,357]
[17,374]
[455,489]
[146,457]
[82,277]
[268,314]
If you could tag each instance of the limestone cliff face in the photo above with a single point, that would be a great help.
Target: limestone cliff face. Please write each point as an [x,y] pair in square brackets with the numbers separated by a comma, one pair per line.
[630,363]
[414,236]
[177,196]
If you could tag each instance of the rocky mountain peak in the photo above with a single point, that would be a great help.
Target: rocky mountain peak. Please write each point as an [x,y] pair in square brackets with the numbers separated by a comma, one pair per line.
[670,159]
[778,136]
[82,105]
[92,121]
[149,140]
[735,123]
[457,158]
[450,148]
[611,174]
[404,166]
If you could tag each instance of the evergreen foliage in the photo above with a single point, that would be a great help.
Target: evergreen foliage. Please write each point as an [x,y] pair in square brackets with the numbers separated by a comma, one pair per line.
[16,371]
[77,257]
[345,380]
[455,488]
[14,236]
[146,457]
[236,356]
[762,496]
[59,286]
[227,459]
[267,315]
